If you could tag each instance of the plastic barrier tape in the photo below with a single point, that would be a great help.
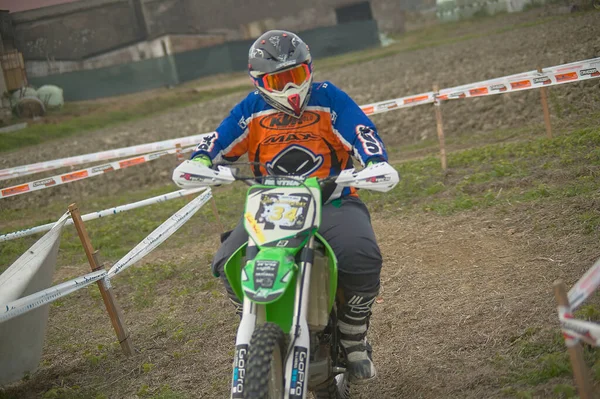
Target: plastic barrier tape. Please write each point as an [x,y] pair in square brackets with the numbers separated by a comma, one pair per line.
[398,103]
[17,171]
[106,212]
[566,73]
[575,330]
[160,234]
[585,286]
[579,329]
[41,298]
[83,173]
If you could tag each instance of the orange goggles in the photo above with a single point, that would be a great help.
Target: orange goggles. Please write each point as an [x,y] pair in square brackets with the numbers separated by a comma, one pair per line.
[277,81]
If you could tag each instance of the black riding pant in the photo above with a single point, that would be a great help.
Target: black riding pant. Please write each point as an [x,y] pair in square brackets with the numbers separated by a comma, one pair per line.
[347,228]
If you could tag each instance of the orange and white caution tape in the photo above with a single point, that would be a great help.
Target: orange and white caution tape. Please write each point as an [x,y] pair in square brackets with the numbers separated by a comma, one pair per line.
[573,329]
[24,170]
[82,174]
[398,103]
[566,73]
[585,286]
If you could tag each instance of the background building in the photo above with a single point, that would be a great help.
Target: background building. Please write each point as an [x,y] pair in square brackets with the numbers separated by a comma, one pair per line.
[96,48]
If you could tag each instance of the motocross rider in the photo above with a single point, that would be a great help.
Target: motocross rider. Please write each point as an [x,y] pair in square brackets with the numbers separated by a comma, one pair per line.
[296,126]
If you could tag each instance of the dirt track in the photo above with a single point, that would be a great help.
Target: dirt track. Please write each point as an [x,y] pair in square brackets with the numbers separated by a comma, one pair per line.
[460,296]
[458,291]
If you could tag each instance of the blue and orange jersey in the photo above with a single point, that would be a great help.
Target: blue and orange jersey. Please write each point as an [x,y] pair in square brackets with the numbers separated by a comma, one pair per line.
[320,143]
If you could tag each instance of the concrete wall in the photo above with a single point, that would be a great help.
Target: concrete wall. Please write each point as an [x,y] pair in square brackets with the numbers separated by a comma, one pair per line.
[157,48]
[176,68]
[75,31]
[113,80]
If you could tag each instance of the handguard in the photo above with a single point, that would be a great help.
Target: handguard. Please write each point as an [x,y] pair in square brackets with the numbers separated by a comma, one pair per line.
[190,174]
[378,177]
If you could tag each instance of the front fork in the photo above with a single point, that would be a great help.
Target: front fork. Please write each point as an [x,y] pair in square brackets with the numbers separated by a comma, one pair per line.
[298,353]
[244,334]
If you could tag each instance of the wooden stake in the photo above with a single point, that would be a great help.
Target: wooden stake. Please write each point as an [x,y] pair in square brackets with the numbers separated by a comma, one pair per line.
[580,369]
[440,130]
[112,307]
[544,99]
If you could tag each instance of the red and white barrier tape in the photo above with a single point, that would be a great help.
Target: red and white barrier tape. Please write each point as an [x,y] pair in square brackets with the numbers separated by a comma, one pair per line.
[24,170]
[573,329]
[82,174]
[566,73]
[398,103]
[103,213]
[585,286]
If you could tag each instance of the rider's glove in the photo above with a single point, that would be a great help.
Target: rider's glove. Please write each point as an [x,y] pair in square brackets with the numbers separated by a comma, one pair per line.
[203,159]
[374,160]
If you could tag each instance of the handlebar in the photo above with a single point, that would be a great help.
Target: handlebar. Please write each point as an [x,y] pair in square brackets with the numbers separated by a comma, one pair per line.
[252,180]
[379,177]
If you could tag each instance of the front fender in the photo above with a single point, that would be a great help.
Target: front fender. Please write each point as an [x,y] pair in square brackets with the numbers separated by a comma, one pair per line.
[233,270]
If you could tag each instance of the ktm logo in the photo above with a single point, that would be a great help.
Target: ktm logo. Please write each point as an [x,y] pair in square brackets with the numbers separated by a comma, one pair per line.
[287,137]
[281,121]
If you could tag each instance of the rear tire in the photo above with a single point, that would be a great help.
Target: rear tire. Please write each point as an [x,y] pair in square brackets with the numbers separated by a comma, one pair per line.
[265,368]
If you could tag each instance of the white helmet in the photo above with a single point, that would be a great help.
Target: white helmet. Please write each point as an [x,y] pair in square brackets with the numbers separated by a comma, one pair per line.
[280,65]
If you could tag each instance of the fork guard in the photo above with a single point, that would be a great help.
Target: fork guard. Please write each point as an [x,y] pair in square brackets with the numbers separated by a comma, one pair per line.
[322,293]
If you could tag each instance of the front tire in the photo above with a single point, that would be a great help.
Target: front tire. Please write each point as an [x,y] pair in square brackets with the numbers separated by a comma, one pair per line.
[265,368]
[327,390]
[346,389]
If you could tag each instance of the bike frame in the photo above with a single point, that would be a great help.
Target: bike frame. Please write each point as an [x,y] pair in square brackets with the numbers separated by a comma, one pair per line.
[285,304]
[272,285]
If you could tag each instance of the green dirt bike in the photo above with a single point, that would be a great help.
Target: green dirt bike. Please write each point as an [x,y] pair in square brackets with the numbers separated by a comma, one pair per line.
[286,277]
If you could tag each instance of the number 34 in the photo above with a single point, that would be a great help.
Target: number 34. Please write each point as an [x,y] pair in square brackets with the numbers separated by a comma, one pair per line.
[279,212]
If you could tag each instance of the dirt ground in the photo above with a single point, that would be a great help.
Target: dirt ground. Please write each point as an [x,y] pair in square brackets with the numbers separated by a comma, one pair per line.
[458,295]
[458,291]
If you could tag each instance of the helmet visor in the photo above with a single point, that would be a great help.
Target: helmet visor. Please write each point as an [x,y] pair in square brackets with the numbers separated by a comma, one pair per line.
[278,80]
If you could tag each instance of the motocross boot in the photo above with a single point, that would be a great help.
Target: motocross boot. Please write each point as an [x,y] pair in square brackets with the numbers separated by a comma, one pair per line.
[233,298]
[353,322]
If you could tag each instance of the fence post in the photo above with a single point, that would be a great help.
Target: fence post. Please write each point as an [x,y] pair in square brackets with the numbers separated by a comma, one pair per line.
[440,128]
[112,307]
[544,99]
[580,370]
